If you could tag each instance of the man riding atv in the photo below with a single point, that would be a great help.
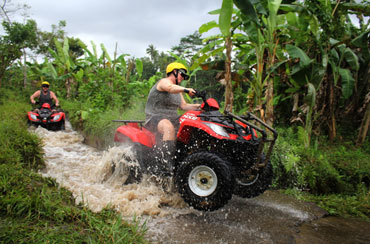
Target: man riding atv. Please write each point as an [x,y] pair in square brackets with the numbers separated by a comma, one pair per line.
[216,155]
[164,99]
[46,115]
[45,95]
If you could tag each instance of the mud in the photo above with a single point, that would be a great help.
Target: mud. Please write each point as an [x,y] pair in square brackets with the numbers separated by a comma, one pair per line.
[269,218]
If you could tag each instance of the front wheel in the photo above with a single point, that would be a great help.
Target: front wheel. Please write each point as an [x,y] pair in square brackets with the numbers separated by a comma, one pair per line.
[205,181]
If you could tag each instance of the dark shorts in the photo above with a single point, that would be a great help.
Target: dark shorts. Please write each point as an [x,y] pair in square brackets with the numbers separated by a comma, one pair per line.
[152,124]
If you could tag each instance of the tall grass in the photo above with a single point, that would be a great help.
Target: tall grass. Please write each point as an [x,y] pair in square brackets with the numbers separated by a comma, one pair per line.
[97,123]
[34,209]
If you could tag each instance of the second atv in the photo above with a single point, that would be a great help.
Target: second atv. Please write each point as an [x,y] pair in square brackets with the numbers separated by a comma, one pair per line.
[217,155]
[47,118]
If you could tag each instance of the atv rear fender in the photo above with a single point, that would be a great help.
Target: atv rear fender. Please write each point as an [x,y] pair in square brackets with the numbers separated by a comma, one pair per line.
[135,132]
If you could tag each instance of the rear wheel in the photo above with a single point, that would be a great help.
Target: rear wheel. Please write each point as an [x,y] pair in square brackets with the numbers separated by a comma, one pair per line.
[204,181]
[251,184]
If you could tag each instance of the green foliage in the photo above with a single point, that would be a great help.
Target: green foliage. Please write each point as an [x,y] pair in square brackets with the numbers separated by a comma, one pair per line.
[188,46]
[225,17]
[22,35]
[285,160]
[46,41]
[323,169]
[17,145]
[36,210]
[97,123]
[355,205]
[335,176]
[18,36]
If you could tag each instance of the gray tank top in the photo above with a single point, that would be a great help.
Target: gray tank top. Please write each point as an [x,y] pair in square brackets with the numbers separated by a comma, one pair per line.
[162,103]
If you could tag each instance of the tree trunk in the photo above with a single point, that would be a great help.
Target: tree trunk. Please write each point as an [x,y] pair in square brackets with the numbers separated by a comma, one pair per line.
[332,120]
[269,94]
[68,85]
[24,69]
[364,128]
[229,96]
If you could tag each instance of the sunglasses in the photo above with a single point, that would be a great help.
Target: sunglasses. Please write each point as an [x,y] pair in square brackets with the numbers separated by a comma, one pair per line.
[183,74]
[45,86]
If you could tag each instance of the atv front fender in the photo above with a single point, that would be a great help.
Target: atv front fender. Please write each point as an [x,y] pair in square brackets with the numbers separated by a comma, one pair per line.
[186,127]
[57,117]
[33,116]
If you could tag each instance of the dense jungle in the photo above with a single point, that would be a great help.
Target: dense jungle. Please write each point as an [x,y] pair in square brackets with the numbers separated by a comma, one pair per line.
[303,67]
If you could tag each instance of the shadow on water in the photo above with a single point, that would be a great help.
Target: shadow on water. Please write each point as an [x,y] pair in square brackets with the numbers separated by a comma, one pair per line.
[269,218]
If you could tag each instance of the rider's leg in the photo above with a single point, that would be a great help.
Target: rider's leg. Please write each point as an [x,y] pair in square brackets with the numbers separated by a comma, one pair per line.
[166,128]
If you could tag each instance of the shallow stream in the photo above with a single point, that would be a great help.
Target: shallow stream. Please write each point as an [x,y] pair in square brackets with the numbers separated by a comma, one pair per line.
[269,218]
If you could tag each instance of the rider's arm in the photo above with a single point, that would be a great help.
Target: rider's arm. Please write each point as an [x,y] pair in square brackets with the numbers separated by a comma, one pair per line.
[188,106]
[52,95]
[33,96]
[166,85]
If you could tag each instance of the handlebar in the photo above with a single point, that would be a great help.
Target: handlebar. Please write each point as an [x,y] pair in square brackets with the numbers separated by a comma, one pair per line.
[201,94]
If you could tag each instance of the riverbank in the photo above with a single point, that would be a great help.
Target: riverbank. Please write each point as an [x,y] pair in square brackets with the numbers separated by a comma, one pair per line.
[35,209]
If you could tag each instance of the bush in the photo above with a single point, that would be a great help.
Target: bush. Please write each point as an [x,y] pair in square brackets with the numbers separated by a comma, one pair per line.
[17,145]
[355,205]
[93,122]
[322,169]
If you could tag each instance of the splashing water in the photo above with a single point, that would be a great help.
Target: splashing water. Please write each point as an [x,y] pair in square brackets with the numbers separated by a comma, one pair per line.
[88,174]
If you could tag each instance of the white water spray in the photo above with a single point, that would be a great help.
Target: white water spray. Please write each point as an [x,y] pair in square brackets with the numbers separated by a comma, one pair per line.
[87,173]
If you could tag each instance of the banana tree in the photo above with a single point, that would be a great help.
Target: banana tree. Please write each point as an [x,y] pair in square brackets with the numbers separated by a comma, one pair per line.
[334,71]
[63,66]
[261,23]
[339,63]
[219,44]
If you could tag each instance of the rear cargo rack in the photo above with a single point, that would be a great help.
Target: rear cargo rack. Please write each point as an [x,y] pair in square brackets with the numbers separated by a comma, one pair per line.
[140,122]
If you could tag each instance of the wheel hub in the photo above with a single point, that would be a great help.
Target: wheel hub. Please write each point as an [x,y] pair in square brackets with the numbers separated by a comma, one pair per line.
[202,180]
[247,178]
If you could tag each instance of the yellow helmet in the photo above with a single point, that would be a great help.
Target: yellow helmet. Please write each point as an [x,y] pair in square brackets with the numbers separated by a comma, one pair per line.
[45,83]
[175,65]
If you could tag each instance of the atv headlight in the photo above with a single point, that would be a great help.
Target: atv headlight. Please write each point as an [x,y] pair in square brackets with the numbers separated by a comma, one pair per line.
[33,117]
[56,117]
[218,129]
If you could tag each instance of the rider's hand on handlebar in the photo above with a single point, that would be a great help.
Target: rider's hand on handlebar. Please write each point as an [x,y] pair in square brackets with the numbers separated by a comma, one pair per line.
[190,91]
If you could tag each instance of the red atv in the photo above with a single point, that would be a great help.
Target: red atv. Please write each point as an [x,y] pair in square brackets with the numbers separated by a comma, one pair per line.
[217,155]
[47,117]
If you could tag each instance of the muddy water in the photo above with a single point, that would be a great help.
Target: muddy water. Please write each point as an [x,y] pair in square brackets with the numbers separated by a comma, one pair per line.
[269,218]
